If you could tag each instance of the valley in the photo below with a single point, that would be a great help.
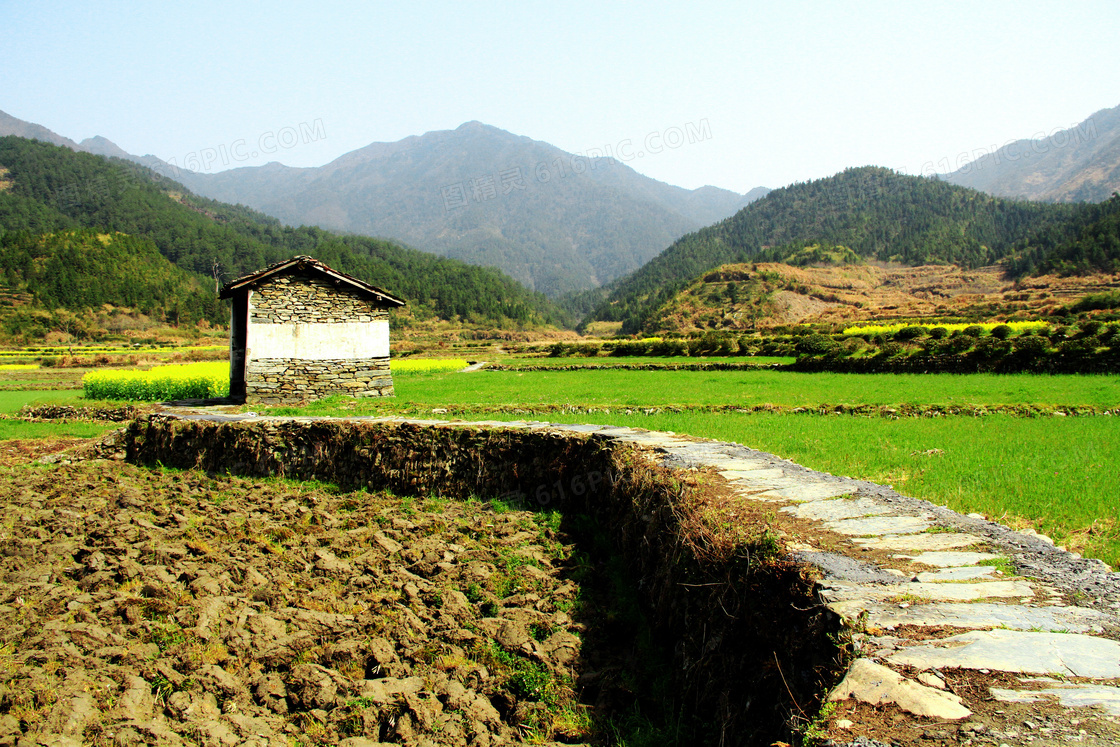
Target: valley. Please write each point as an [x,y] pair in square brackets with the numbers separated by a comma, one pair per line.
[442,566]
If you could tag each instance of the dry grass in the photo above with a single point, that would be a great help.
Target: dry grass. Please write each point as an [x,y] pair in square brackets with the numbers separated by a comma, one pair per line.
[870,292]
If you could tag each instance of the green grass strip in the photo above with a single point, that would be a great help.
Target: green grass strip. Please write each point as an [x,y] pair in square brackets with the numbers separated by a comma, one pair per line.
[614,388]
[23,429]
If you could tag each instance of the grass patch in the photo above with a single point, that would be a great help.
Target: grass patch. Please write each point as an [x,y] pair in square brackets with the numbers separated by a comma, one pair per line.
[41,378]
[618,388]
[22,429]
[12,401]
[1002,565]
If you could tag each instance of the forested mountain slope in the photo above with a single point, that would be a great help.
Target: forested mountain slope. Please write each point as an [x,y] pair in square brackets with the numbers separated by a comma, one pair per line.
[46,189]
[557,222]
[83,269]
[1089,243]
[872,211]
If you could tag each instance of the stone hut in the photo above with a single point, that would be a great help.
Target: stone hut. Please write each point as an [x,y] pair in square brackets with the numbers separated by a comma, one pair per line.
[300,331]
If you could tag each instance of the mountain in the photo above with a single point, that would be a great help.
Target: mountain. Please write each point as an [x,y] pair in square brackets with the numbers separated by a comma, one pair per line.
[100,146]
[84,269]
[1079,164]
[9,125]
[97,145]
[46,189]
[874,212]
[1088,243]
[555,221]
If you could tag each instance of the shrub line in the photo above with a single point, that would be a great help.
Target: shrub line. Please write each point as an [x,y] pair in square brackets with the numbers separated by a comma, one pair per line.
[884,411]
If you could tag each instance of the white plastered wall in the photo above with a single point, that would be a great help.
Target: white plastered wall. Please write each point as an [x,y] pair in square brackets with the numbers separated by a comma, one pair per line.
[341,340]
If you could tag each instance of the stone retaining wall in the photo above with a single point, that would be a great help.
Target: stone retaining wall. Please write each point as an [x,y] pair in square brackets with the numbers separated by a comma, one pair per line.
[751,646]
[277,380]
[119,414]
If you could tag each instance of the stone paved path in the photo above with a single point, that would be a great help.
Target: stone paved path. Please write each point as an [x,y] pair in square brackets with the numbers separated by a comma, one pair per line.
[933,603]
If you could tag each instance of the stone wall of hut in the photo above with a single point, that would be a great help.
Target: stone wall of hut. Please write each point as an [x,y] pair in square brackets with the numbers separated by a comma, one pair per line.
[345,333]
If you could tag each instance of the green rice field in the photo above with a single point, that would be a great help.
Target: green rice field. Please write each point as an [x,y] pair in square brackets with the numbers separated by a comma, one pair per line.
[619,388]
[603,361]
[20,429]
[1056,474]
[12,428]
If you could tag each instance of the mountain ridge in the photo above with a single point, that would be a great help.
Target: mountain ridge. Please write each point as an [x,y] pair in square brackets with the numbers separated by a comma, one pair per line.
[10,125]
[50,188]
[555,221]
[1077,164]
[872,211]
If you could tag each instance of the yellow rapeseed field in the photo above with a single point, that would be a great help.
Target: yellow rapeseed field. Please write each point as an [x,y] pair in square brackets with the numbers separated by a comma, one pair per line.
[208,379]
[427,365]
[186,381]
[890,329]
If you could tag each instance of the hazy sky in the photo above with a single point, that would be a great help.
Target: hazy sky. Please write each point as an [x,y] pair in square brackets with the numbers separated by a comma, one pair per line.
[771,92]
